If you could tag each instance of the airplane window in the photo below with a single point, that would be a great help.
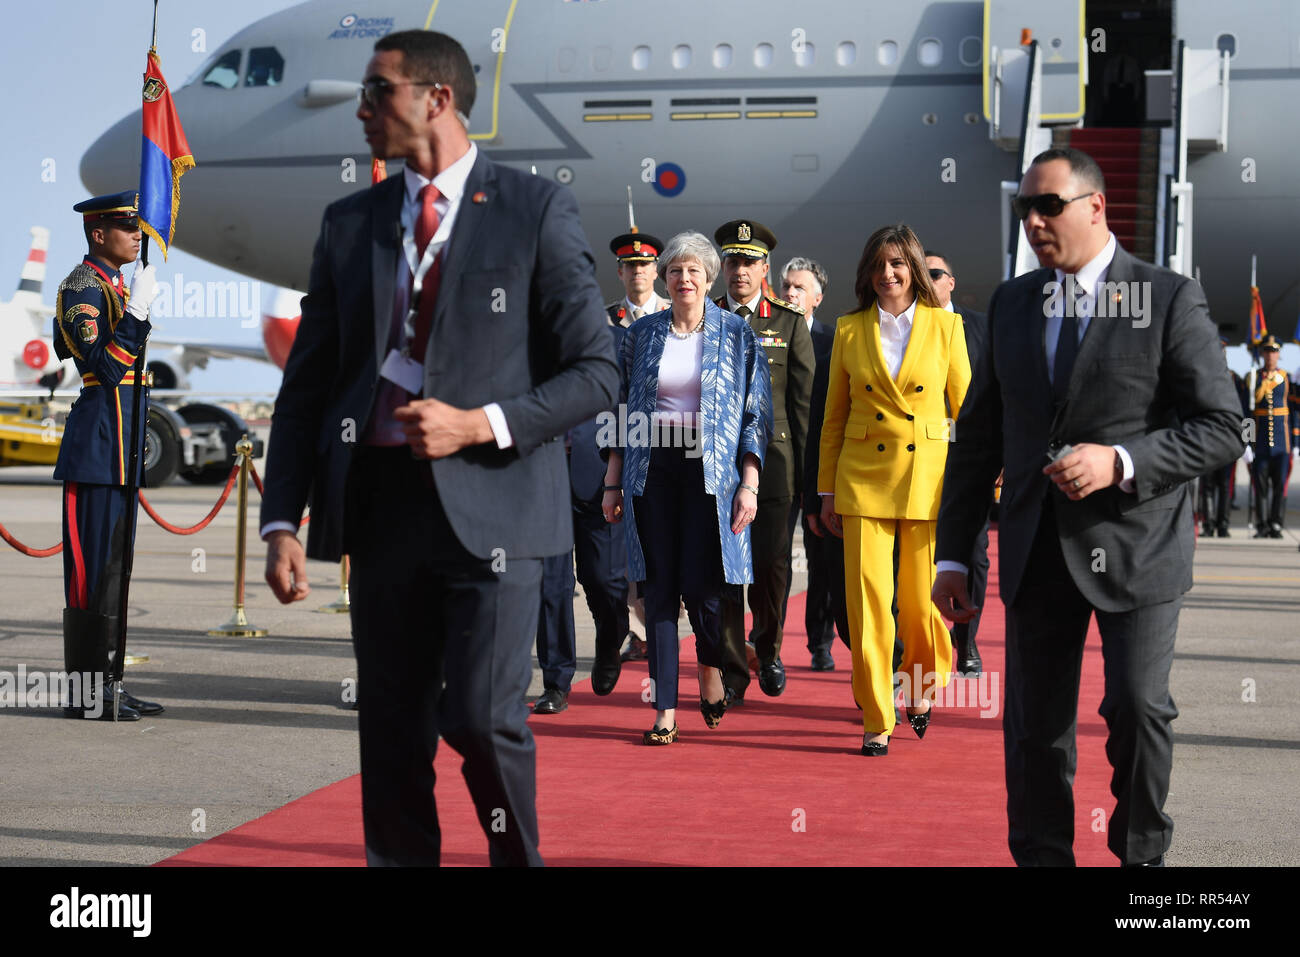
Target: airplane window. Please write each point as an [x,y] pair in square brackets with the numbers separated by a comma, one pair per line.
[887,53]
[971,51]
[265,67]
[804,54]
[763,54]
[681,56]
[641,58]
[722,56]
[1227,43]
[846,53]
[225,72]
[930,52]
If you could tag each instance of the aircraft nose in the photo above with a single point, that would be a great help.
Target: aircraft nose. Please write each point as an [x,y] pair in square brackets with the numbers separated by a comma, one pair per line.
[112,163]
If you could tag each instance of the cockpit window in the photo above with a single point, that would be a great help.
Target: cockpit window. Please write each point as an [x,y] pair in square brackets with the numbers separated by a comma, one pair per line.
[265,67]
[225,72]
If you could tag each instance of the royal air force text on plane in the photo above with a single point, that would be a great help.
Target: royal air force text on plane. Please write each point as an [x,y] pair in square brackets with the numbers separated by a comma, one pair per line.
[352,27]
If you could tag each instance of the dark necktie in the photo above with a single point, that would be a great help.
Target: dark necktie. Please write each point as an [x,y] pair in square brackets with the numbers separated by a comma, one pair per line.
[743,312]
[1067,343]
[426,226]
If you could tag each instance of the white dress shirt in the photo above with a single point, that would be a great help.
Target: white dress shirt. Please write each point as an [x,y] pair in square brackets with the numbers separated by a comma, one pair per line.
[895,333]
[733,305]
[653,304]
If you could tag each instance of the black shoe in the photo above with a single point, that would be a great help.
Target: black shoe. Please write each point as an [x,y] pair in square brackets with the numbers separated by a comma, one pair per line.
[771,677]
[1223,531]
[552,702]
[1207,532]
[605,671]
[1154,862]
[734,699]
[713,711]
[920,722]
[124,711]
[875,749]
[1275,531]
[1260,533]
[636,649]
[146,708]
[822,660]
[969,662]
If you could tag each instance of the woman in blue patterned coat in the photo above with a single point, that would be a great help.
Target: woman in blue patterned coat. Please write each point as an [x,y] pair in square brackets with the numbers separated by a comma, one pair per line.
[686,448]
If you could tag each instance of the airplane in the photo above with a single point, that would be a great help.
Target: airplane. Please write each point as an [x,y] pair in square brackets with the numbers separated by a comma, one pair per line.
[824,120]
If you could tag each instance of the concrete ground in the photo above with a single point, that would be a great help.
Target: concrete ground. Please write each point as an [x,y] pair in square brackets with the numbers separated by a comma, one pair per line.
[253,723]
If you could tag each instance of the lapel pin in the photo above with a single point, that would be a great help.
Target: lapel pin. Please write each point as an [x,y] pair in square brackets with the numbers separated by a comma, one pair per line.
[480,198]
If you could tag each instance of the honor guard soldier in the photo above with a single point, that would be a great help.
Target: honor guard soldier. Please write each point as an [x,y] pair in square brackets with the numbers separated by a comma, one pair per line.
[784,336]
[638,256]
[101,327]
[1269,390]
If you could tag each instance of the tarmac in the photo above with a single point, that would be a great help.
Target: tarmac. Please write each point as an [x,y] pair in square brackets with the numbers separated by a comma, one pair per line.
[253,723]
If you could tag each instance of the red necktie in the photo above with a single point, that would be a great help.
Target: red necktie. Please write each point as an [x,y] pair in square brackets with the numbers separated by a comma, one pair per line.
[425,228]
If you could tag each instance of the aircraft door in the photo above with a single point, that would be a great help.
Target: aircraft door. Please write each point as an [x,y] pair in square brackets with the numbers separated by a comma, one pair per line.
[484,29]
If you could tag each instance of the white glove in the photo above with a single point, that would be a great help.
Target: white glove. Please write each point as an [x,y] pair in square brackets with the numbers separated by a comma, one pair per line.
[1250,454]
[144,289]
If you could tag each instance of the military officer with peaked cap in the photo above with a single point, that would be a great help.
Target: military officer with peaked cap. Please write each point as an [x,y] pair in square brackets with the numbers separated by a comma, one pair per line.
[1268,391]
[637,254]
[784,336]
[102,328]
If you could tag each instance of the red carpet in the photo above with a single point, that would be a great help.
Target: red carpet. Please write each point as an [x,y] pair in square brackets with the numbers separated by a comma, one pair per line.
[780,782]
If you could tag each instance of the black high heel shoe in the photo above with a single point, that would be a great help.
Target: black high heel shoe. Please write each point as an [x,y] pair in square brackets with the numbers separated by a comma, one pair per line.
[920,722]
[875,749]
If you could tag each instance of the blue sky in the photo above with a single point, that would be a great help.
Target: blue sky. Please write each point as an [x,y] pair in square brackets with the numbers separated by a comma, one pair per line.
[70,69]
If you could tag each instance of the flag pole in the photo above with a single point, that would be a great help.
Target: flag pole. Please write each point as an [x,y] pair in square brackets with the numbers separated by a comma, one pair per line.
[132,488]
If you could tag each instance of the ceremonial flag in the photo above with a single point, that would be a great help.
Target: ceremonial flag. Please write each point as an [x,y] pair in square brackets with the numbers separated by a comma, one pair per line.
[164,158]
[1258,328]
[378,170]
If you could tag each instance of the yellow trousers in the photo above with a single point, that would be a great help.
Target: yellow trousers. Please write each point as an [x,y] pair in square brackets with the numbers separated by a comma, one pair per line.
[870,589]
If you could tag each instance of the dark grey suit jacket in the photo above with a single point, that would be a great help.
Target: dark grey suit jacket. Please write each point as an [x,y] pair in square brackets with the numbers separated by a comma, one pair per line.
[1160,390]
[519,321]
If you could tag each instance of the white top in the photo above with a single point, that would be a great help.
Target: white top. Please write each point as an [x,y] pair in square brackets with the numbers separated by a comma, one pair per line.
[895,333]
[678,398]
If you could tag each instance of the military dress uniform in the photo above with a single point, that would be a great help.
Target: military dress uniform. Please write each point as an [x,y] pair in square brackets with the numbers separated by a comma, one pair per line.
[1272,416]
[1217,486]
[92,327]
[783,334]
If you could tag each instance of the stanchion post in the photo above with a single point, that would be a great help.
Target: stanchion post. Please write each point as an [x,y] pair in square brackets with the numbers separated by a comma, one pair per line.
[344,604]
[238,626]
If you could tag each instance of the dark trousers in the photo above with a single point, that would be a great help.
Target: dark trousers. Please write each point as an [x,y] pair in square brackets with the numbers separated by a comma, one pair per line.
[977,580]
[677,523]
[1271,473]
[826,611]
[442,640]
[769,538]
[96,522]
[557,643]
[601,552]
[1216,497]
[1046,627]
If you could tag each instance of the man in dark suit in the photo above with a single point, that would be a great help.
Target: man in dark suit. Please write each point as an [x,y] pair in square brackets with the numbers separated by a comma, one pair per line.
[1110,366]
[783,334]
[803,284]
[471,285]
[975,325]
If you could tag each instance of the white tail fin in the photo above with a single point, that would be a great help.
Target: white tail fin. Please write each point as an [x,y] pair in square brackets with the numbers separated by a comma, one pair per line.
[32,279]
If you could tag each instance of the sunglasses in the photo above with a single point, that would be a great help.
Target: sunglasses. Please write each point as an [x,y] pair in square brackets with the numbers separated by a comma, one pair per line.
[936,273]
[1045,204]
[376,89]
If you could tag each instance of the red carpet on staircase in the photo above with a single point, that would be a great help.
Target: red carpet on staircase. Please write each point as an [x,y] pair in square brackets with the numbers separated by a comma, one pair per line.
[780,782]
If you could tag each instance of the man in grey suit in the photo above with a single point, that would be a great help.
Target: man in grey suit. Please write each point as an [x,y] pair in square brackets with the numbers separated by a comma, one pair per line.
[1109,365]
[452,331]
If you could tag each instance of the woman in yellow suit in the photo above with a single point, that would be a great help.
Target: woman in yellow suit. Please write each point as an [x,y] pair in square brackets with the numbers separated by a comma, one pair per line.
[898,374]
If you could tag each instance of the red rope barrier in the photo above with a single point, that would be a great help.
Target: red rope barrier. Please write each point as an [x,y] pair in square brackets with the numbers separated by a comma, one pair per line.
[175,530]
[27,549]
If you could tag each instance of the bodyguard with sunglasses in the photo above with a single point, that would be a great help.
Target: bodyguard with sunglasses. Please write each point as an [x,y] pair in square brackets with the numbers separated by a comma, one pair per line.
[452,331]
[1101,423]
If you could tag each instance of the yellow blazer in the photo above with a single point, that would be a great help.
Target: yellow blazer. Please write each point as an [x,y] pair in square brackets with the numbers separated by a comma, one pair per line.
[884,442]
